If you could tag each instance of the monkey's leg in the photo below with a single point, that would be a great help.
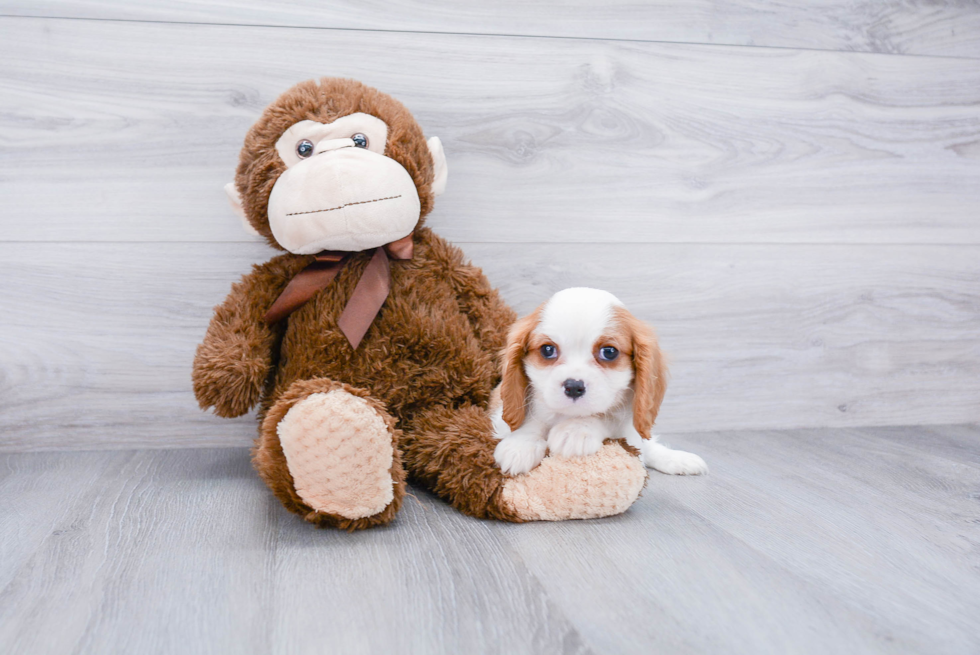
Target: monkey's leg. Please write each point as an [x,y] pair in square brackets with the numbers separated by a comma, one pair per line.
[451,451]
[329,453]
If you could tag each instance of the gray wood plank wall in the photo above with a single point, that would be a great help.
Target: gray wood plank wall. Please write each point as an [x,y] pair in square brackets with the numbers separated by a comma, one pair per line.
[801,221]
[935,27]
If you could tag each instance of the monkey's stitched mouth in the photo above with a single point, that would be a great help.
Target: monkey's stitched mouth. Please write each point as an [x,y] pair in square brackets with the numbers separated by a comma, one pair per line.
[362,202]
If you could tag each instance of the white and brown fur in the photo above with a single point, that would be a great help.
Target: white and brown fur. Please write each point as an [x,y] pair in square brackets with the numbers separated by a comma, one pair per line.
[570,403]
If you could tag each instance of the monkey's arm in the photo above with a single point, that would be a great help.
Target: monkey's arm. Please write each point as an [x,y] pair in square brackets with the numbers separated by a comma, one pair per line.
[490,316]
[236,356]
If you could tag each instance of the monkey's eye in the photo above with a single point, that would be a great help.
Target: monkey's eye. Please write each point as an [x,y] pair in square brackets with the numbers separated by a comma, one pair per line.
[304,148]
[360,140]
[608,353]
[548,351]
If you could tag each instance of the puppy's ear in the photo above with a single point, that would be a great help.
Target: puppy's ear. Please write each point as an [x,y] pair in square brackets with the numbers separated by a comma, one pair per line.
[513,385]
[649,373]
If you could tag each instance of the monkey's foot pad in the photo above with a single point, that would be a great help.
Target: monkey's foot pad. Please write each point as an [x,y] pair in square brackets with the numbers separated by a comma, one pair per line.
[339,452]
[562,488]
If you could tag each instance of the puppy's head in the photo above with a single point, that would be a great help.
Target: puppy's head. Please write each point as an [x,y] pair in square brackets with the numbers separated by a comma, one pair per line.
[582,352]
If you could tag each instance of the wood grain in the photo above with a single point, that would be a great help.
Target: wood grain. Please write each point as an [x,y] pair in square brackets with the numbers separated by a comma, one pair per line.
[38,499]
[799,224]
[98,338]
[548,139]
[187,551]
[807,541]
[934,28]
[817,532]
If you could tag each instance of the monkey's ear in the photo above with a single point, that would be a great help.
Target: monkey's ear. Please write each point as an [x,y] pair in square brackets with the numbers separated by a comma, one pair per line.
[439,166]
[236,206]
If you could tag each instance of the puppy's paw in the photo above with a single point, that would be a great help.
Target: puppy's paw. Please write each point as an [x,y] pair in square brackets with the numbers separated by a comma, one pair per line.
[575,438]
[682,463]
[500,427]
[517,456]
[672,462]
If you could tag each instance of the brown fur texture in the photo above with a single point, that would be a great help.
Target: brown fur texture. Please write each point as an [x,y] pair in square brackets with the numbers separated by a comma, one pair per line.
[427,363]
[428,359]
[514,382]
[650,373]
[260,166]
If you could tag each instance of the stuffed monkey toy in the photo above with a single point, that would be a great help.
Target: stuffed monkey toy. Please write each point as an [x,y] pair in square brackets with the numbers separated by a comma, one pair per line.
[370,346]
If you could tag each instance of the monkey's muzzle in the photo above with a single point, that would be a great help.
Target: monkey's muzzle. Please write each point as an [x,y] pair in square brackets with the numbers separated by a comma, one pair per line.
[347,199]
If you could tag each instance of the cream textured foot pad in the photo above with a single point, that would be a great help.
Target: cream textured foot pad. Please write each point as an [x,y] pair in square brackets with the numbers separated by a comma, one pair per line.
[338,450]
[561,488]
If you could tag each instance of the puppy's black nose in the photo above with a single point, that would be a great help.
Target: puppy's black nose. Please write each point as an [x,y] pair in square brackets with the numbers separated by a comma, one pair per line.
[574,388]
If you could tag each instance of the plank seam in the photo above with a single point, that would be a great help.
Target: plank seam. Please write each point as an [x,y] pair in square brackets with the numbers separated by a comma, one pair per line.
[460,242]
[489,35]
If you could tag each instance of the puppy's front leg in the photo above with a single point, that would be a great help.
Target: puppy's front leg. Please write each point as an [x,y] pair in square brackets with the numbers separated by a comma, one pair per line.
[521,450]
[577,437]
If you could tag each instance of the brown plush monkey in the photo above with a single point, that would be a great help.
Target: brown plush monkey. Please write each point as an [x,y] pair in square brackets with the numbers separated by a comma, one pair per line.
[370,345]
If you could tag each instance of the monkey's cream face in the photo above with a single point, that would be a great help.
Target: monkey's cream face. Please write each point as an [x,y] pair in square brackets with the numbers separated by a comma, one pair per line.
[340,191]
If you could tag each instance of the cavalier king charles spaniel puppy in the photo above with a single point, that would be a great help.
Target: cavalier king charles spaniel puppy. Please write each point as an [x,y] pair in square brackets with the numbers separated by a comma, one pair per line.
[577,371]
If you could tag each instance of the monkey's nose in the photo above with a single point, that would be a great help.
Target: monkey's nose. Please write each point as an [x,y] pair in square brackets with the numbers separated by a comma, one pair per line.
[327,145]
[574,388]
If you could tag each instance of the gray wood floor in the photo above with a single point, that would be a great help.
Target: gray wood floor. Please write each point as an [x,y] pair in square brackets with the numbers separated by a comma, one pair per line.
[808,541]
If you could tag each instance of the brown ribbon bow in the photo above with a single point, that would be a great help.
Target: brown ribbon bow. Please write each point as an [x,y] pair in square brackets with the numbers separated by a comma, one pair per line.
[369,294]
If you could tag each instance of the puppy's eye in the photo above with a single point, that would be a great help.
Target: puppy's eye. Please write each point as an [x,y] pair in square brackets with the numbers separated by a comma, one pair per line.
[304,148]
[548,351]
[360,140]
[608,353]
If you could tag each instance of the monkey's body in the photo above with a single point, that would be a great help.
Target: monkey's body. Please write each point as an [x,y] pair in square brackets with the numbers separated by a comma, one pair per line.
[437,336]
[428,360]
[342,425]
